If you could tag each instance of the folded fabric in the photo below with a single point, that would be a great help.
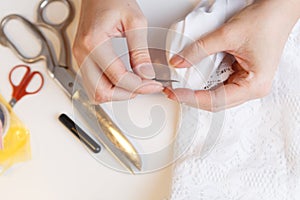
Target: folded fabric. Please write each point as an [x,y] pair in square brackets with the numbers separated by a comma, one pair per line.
[205,18]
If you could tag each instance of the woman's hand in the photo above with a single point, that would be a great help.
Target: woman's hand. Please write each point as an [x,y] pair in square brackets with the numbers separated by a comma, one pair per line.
[104,75]
[256,38]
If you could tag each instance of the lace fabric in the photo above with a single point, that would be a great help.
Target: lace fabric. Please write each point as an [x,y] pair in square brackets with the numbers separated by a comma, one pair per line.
[258,153]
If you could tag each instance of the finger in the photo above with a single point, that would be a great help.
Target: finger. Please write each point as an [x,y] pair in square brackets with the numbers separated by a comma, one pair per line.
[116,72]
[106,92]
[136,34]
[98,86]
[223,97]
[194,53]
[100,89]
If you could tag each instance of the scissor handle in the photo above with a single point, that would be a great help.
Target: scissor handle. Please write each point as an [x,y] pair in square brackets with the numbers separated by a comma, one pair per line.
[20,90]
[6,41]
[59,26]
[65,57]
[46,51]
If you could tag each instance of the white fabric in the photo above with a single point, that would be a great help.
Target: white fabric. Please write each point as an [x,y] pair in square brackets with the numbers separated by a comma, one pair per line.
[258,153]
[205,18]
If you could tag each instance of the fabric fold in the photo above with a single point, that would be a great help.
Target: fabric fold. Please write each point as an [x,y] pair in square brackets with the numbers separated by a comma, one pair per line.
[205,18]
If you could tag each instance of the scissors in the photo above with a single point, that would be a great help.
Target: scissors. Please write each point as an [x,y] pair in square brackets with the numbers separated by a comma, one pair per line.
[111,137]
[65,58]
[46,52]
[20,90]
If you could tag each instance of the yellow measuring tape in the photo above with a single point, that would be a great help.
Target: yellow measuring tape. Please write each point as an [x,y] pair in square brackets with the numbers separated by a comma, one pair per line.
[15,138]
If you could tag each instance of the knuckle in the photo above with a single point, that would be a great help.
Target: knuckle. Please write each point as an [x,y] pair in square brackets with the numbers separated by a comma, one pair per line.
[200,45]
[101,97]
[137,21]
[139,56]
[115,78]
[88,42]
[83,42]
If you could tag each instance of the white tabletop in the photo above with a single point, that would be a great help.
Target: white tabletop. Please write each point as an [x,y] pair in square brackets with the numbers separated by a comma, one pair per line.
[61,168]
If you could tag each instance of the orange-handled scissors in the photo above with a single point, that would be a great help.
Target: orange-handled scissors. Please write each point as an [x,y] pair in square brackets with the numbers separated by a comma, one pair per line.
[20,90]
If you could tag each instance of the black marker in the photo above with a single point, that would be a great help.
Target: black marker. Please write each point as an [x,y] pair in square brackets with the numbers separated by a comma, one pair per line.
[79,133]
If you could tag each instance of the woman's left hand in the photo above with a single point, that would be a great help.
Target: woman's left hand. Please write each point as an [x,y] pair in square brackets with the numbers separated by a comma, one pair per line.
[255,37]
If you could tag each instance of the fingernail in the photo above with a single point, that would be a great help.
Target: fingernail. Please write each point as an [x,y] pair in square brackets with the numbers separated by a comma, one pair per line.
[167,91]
[145,71]
[169,94]
[150,88]
[156,88]
[175,60]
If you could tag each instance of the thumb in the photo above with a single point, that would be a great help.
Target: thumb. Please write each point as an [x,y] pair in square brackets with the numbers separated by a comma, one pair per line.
[210,44]
[139,54]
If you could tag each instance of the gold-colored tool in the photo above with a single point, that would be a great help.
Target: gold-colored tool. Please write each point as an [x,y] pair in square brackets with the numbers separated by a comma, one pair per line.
[112,138]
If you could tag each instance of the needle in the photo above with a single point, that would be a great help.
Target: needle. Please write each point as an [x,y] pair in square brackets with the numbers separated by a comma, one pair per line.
[165,80]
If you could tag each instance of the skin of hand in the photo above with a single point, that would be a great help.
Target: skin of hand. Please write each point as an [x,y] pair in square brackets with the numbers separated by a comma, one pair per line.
[104,75]
[256,38]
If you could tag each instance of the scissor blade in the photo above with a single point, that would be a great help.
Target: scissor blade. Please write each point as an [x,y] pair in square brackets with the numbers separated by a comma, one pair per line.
[95,117]
[65,79]
[98,121]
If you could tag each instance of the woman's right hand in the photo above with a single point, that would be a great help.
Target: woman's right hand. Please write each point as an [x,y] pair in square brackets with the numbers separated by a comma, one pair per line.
[104,75]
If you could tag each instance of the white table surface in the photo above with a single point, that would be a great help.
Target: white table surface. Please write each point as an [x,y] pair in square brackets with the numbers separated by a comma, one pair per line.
[61,169]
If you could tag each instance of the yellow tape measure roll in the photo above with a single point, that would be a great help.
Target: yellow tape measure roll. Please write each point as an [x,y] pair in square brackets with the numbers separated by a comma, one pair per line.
[15,138]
